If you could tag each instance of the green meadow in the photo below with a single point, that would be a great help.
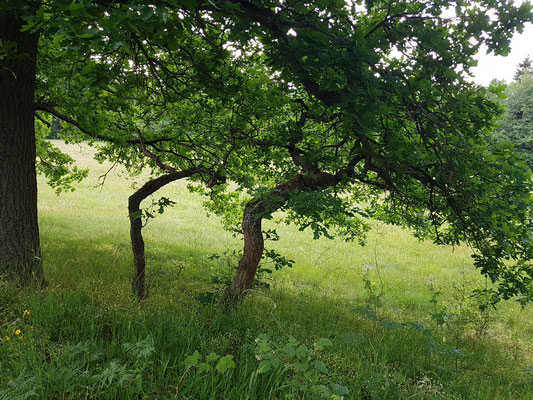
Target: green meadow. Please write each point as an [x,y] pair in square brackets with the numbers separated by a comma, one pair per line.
[394,319]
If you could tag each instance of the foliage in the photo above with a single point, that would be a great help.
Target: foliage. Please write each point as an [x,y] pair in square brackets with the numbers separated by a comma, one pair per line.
[465,313]
[271,261]
[156,206]
[325,211]
[212,363]
[405,134]
[301,363]
[20,388]
[374,293]
[58,167]
[366,104]
[516,124]
[525,67]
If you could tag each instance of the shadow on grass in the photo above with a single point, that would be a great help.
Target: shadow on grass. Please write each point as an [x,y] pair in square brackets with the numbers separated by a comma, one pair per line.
[90,299]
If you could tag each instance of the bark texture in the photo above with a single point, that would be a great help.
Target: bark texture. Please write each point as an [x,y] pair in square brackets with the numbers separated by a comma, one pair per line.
[138,282]
[253,215]
[20,253]
[253,251]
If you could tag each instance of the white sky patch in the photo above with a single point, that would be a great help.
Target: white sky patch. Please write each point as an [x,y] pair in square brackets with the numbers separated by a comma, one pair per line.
[490,66]
[498,67]
[503,68]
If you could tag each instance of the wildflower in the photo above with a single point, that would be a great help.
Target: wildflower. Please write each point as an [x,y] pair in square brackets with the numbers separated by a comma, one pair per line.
[7,337]
[17,332]
[26,312]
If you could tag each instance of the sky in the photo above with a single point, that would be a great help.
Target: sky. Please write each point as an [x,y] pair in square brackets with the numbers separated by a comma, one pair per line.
[497,67]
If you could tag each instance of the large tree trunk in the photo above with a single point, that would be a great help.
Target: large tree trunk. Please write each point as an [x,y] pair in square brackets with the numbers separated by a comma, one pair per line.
[138,282]
[20,252]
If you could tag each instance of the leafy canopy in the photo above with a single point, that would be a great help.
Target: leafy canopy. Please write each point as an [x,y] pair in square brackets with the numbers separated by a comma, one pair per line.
[355,104]
[516,124]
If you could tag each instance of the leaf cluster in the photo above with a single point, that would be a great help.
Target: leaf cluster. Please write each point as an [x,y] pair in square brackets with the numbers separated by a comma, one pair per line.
[312,108]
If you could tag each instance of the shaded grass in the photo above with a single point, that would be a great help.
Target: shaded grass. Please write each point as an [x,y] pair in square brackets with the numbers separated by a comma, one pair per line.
[89,304]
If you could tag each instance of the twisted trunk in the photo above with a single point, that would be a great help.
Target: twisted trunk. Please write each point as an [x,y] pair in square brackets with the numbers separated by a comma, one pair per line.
[20,251]
[253,215]
[253,251]
[138,282]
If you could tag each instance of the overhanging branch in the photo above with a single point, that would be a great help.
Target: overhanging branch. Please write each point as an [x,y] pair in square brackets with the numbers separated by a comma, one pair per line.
[50,109]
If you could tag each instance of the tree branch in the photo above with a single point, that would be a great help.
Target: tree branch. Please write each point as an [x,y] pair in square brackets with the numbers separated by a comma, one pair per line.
[50,108]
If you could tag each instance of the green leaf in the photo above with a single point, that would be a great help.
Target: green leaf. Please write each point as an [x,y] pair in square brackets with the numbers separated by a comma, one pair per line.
[147,13]
[289,352]
[264,366]
[339,389]
[302,351]
[89,34]
[323,342]
[225,363]
[276,362]
[203,367]
[300,366]
[193,359]
[75,7]
[211,357]
[136,215]
[28,26]
[323,391]
[320,367]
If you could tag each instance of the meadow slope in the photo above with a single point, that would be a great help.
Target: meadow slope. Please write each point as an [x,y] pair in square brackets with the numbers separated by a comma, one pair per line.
[398,313]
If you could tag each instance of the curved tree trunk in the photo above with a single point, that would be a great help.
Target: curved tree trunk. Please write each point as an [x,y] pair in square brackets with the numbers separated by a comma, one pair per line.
[253,215]
[138,282]
[20,252]
[253,251]
[137,246]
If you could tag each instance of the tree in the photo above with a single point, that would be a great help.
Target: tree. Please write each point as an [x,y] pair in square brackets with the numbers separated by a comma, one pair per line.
[403,131]
[20,252]
[22,25]
[524,67]
[375,110]
[516,124]
[180,109]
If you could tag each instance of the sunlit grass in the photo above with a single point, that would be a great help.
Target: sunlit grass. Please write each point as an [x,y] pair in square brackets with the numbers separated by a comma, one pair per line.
[88,264]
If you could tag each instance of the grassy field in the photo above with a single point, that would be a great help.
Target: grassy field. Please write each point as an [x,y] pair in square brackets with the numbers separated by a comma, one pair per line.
[397,313]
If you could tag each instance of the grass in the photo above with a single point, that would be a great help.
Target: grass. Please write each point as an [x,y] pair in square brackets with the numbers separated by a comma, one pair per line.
[86,337]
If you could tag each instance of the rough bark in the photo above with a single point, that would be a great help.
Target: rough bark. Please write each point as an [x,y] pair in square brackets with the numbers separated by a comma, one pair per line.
[20,252]
[253,251]
[253,215]
[138,282]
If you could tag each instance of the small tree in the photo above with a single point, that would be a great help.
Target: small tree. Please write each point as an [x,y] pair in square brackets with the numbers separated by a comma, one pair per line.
[400,127]
[183,109]
[524,67]
[516,124]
